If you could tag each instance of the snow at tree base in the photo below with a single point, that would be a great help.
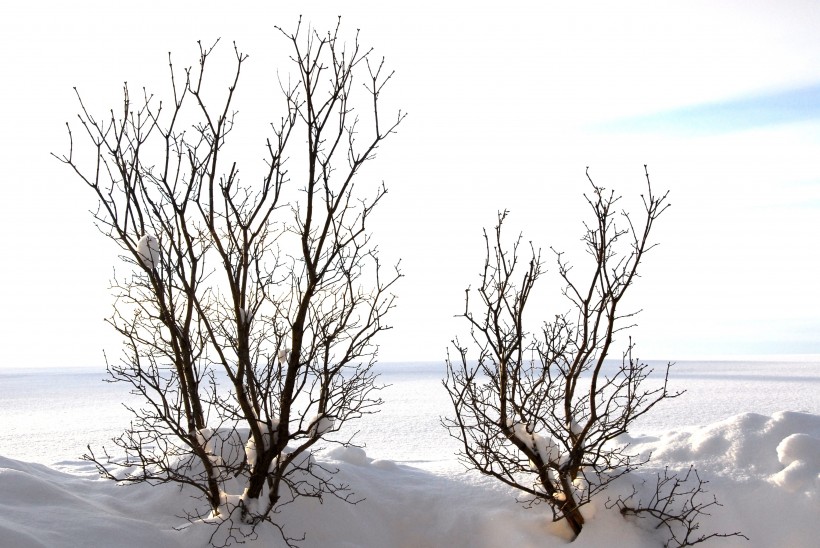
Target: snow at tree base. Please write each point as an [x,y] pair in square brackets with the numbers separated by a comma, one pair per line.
[763,467]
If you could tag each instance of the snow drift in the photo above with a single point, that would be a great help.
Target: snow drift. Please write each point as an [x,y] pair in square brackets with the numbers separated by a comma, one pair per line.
[765,470]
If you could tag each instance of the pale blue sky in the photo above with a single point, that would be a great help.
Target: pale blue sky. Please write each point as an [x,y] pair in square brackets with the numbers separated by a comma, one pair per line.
[736,114]
[507,106]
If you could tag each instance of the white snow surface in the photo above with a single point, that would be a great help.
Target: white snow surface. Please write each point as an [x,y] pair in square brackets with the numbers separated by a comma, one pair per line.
[763,465]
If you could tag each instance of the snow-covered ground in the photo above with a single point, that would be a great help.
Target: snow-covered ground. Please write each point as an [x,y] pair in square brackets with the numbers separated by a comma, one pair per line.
[752,429]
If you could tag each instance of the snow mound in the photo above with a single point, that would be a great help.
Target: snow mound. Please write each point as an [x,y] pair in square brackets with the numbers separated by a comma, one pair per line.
[384,464]
[800,454]
[358,457]
[748,445]
[351,455]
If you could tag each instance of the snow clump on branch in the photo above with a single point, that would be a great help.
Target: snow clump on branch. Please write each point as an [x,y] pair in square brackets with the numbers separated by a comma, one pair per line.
[148,250]
[544,446]
[320,425]
[268,438]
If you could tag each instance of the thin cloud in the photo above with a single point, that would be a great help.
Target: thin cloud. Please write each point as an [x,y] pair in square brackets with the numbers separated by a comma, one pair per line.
[741,114]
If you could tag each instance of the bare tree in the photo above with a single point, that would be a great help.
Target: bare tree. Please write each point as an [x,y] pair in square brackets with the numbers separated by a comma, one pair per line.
[541,411]
[248,308]
[675,505]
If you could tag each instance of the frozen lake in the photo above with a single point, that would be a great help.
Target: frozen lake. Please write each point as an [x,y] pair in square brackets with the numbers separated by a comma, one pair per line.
[49,415]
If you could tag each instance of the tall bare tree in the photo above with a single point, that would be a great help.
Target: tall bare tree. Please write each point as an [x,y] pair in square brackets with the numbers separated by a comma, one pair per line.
[248,308]
[540,411]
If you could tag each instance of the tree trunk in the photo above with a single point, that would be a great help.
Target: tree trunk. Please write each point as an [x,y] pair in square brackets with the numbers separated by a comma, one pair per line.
[570,508]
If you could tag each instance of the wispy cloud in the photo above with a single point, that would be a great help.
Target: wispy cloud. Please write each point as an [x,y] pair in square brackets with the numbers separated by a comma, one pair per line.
[744,113]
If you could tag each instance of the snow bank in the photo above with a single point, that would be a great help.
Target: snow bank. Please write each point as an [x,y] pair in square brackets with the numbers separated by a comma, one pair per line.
[41,507]
[764,469]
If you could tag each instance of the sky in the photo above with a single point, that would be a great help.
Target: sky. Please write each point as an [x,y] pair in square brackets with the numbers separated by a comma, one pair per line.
[507,107]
